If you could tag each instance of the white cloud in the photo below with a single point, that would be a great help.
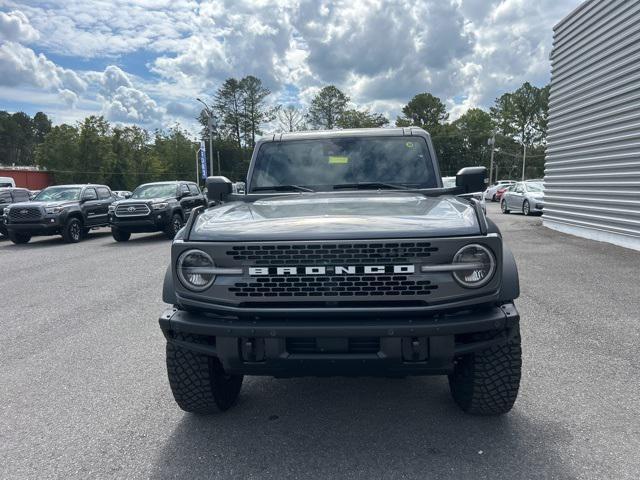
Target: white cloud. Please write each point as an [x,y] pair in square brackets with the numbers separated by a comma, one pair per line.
[15,27]
[22,66]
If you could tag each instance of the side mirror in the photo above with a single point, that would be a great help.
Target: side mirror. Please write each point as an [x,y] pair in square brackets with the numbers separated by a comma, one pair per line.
[127,195]
[472,179]
[218,188]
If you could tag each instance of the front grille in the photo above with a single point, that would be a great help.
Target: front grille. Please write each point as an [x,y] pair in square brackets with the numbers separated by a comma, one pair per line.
[22,214]
[356,345]
[132,210]
[331,254]
[330,286]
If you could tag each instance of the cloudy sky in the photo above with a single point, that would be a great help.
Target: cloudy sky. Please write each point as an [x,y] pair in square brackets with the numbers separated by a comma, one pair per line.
[145,61]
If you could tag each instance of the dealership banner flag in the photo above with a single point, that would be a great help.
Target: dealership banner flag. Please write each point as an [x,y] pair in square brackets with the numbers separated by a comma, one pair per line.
[203,158]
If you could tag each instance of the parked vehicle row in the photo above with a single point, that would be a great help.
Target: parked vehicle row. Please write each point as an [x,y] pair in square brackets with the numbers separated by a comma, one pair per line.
[73,210]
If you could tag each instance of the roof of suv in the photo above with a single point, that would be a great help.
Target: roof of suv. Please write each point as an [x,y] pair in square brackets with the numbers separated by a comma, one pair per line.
[351,132]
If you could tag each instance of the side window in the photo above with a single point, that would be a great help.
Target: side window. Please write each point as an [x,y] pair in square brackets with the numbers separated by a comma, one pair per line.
[184,190]
[103,193]
[5,196]
[194,189]
[89,194]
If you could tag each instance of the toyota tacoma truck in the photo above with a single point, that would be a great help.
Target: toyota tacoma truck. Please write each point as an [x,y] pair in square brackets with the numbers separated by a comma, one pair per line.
[67,210]
[154,207]
[346,256]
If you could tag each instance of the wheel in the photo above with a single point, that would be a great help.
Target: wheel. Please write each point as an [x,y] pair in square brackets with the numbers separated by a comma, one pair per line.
[119,235]
[526,208]
[72,231]
[174,225]
[494,198]
[198,382]
[19,238]
[503,207]
[487,382]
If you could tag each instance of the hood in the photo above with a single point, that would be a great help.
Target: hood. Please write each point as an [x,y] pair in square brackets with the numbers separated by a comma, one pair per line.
[148,201]
[56,203]
[319,216]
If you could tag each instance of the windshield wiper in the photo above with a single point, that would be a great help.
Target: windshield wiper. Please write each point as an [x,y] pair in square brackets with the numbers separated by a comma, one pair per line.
[367,185]
[282,188]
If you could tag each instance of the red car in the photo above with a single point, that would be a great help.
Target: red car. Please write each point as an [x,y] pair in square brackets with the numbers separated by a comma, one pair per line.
[501,191]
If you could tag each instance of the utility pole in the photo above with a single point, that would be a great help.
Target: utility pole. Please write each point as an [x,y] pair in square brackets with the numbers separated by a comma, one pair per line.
[492,142]
[524,159]
[210,117]
[219,171]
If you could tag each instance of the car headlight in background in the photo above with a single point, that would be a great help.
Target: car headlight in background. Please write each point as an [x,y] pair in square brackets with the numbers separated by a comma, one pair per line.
[5,210]
[480,262]
[193,268]
[53,210]
[159,206]
[112,208]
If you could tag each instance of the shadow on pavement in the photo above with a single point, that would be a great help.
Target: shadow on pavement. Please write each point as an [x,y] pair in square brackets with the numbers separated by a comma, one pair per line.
[140,239]
[358,428]
[50,241]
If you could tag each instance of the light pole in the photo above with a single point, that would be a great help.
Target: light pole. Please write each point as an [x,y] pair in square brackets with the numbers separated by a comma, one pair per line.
[209,112]
[492,142]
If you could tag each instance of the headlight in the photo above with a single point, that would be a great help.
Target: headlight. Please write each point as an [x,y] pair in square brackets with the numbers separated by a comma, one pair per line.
[193,267]
[5,210]
[160,206]
[112,208]
[53,210]
[481,266]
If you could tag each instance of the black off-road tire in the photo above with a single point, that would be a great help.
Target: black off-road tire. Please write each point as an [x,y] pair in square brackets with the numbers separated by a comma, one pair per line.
[174,225]
[526,208]
[19,238]
[120,236]
[503,207]
[72,231]
[198,382]
[487,382]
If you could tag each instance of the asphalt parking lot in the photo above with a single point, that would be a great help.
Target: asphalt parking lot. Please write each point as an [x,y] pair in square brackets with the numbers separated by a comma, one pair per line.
[84,391]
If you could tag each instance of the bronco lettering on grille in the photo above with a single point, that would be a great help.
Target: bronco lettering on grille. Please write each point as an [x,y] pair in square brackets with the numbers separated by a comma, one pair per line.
[335,270]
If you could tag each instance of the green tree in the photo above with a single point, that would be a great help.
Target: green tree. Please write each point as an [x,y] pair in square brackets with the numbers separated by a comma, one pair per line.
[255,111]
[95,152]
[425,111]
[59,153]
[327,107]
[175,152]
[354,118]
[228,103]
[523,114]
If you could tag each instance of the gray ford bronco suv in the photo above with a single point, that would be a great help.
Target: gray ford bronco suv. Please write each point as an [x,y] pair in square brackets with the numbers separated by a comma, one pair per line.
[345,256]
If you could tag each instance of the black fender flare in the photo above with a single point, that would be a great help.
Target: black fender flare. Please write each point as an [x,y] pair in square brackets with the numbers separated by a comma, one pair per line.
[168,292]
[510,288]
[72,213]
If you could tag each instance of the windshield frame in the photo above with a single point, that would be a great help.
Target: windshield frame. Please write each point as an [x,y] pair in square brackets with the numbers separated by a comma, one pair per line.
[152,185]
[432,165]
[38,197]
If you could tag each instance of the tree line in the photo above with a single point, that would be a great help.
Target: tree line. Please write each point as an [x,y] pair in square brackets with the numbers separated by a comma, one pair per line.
[125,156]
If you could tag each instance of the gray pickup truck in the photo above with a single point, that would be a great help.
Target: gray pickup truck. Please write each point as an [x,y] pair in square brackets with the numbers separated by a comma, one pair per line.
[346,256]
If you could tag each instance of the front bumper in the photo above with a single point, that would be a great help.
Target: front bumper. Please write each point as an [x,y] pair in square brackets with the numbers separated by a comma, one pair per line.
[155,221]
[404,346]
[45,226]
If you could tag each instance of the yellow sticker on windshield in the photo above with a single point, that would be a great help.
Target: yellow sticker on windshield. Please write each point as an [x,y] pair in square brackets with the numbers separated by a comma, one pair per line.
[409,144]
[338,160]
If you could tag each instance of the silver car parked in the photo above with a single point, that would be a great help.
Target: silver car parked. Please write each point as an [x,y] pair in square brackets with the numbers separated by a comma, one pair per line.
[526,197]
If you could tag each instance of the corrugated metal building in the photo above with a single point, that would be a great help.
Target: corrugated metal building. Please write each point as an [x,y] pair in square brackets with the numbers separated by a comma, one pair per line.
[592,166]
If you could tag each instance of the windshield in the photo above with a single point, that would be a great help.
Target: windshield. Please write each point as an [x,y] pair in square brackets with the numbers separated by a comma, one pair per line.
[324,163]
[59,193]
[535,187]
[162,190]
